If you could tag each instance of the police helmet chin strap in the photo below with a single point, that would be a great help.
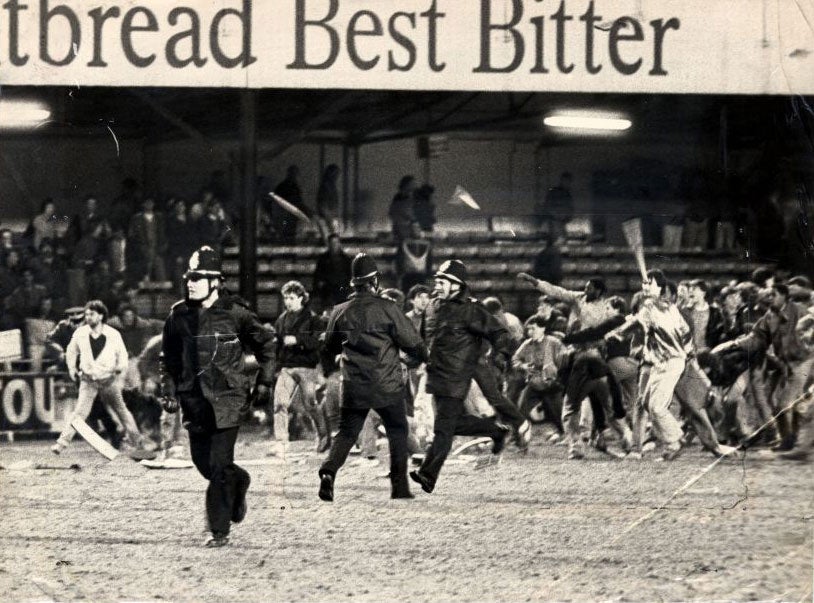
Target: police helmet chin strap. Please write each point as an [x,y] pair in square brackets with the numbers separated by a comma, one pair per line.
[211,290]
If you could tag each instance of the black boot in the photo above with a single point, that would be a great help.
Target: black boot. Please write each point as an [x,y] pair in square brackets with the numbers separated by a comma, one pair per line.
[326,486]
[399,487]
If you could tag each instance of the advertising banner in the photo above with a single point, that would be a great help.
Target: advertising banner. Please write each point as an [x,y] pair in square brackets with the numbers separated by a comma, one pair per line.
[653,46]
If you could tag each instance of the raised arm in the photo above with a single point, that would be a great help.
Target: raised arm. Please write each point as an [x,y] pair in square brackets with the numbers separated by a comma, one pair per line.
[547,288]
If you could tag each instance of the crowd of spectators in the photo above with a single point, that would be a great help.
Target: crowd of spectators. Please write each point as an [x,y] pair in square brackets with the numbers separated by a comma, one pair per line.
[107,251]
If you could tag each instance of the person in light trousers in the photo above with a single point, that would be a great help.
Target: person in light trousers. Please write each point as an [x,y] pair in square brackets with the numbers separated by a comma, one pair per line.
[96,356]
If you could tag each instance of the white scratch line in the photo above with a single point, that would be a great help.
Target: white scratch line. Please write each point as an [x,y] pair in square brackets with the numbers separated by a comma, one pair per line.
[116,140]
[681,489]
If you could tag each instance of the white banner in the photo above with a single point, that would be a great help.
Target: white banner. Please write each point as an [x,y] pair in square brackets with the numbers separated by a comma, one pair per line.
[707,46]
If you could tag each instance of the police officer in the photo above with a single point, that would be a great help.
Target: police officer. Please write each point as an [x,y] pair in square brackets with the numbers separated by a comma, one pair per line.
[455,327]
[202,362]
[368,331]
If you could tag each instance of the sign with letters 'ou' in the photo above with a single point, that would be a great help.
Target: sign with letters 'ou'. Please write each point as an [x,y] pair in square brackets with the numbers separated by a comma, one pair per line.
[28,402]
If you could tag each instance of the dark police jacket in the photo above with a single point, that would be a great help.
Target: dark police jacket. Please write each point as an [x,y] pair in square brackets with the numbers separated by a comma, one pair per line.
[202,354]
[368,331]
[454,330]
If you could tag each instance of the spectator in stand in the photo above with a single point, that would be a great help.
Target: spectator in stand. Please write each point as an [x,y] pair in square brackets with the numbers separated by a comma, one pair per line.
[283,222]
[558,208]
[25,301]
[147,244]
[698,211]
[726,221]
[328,202]
[100,284]
[44,224]
[86,222]
[10,279]
[332,274]
[402,209]
[221,190]
[182,239]
[6,243]
[213,227]
[413,259]
[48,273]
[548,263]
[125,205]
[424,208]
[91,247]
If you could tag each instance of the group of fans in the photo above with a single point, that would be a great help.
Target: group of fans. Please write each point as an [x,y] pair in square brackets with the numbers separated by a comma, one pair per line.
[437,363]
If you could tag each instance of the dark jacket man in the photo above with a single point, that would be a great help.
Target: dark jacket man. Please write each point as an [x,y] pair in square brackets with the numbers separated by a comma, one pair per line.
[454,330]
[202,364]
[206,347]
[306,327]
[368,331]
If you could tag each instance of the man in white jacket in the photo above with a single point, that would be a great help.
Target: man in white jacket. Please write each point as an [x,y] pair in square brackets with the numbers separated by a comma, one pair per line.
[96,356]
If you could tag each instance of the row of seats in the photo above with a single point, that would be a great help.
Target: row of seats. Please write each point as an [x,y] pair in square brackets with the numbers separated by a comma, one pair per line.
[501,250]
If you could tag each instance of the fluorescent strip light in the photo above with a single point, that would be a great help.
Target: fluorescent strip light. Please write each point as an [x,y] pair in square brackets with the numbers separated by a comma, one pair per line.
[579,122]
[20,114]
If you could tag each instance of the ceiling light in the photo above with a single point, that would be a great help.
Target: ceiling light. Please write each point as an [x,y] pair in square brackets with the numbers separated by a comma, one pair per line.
[22,114]
[587,122]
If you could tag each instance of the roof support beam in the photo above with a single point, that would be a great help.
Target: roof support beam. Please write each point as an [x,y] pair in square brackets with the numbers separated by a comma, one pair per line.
[176,121]
[328,109]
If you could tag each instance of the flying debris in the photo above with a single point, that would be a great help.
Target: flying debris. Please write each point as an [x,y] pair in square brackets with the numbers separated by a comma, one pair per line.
[290,208]
[462,197]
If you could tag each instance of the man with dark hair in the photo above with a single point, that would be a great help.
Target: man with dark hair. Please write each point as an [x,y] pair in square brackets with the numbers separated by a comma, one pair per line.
[455,329]
[285,223]
[540,358]
[203,374]
[96,356]
[369,331]
[706,320]
[332,274]
[558,208]
[667,355]
[297,332]
[419,297]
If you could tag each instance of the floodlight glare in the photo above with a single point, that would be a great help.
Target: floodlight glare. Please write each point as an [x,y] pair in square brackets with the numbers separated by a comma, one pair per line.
[21,114]
[587,122]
